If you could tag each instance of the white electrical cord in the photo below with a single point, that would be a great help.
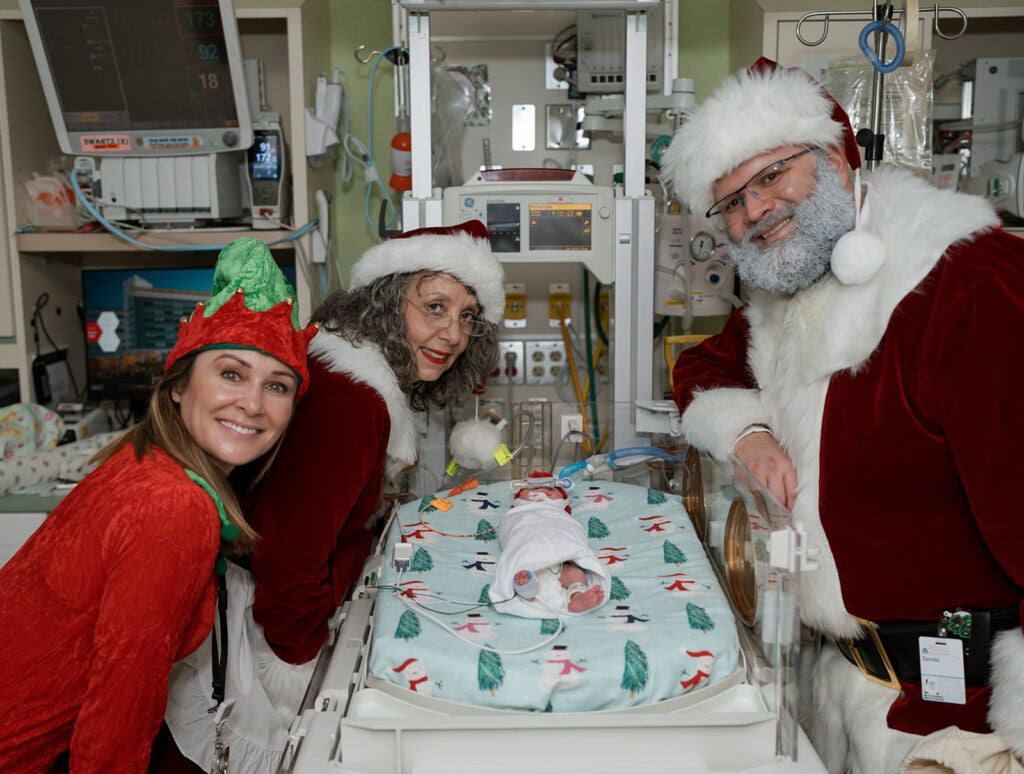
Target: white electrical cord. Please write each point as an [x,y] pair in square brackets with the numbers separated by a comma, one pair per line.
[417,608]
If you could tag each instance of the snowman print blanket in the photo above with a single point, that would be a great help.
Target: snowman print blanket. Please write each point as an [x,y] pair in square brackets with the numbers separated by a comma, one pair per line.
[664,629]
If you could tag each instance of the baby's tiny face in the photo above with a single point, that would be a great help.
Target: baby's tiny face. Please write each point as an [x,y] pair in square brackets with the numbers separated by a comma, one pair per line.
[540,494]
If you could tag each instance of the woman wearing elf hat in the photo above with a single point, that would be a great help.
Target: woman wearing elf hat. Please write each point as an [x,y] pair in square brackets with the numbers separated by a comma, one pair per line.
[417,325]
[119,581]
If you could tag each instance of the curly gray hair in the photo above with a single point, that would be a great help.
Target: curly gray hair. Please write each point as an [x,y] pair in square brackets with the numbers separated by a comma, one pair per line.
[374,313]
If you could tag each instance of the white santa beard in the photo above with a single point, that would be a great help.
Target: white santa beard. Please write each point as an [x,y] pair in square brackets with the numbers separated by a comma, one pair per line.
[796,263]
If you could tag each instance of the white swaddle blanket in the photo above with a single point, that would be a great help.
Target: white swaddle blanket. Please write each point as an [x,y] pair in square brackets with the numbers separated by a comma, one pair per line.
[535,536]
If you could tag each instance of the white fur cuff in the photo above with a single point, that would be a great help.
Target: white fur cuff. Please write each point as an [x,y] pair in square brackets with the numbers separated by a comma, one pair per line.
[1006,707]
[716,417]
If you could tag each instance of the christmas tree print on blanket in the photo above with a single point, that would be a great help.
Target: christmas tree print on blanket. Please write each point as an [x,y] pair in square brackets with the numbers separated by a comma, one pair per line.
[485,531]
[421,561]
[654,497]
[619,590]
[548,626]
[597,529]
[408,626]
[634,675]
[699,618]
[673,554]
[490,672]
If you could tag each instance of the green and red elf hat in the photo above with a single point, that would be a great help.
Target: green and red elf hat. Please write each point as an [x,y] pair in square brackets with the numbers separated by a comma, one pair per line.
[253,307]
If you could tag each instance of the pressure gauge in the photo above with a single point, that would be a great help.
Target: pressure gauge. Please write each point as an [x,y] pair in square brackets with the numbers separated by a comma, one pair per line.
[702,245]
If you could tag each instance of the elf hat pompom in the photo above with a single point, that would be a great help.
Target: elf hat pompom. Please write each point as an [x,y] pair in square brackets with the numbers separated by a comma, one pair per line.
[462,251]
[253,307]
[752,112]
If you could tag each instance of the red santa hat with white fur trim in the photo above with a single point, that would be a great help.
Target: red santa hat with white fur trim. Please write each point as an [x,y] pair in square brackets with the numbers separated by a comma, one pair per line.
[753,112]
[462,251]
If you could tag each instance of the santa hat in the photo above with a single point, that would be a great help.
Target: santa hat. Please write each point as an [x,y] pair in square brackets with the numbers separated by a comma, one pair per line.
[752,112]
[253,307]
[462,251]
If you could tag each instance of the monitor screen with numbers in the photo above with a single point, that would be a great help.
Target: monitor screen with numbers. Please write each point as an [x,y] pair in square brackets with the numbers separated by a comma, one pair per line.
[141,77]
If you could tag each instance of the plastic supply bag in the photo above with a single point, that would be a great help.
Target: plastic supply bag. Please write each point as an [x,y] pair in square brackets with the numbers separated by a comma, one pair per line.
[906,110]
[51,203]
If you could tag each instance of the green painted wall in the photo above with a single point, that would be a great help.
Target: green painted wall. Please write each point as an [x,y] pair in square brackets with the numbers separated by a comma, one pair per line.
[703,43]
[365,23]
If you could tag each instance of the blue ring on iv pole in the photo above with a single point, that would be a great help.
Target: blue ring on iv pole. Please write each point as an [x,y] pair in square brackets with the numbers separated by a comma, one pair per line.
[890,29]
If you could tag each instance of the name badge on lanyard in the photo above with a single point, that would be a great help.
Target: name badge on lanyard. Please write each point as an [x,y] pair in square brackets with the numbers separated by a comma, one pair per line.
[942,670]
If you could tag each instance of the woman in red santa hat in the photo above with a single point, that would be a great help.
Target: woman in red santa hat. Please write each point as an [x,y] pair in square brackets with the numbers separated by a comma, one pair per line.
[416,326]
[119,581]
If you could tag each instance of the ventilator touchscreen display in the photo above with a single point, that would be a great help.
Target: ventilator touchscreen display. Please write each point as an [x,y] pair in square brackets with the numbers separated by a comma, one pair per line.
[560,226]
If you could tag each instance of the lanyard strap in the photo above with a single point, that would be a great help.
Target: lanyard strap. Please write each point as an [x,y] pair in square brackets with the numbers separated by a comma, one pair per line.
[220,655]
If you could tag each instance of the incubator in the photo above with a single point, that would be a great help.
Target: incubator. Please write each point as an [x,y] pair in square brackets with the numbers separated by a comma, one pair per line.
[690,665]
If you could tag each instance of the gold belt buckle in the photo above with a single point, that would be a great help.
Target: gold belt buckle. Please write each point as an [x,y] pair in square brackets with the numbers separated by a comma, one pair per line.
[893,682]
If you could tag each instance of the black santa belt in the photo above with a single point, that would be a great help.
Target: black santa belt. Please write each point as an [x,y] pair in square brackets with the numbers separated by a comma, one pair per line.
[890,653]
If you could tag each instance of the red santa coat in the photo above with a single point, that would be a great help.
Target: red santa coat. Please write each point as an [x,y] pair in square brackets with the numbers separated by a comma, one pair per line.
[112,588]
[352,425]
[898,402]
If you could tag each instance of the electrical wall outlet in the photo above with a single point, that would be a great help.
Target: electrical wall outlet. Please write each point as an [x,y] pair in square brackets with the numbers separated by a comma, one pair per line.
[544,361]
[572,426]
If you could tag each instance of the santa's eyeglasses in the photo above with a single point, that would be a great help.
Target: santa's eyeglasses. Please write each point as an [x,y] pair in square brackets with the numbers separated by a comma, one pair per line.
[769,177]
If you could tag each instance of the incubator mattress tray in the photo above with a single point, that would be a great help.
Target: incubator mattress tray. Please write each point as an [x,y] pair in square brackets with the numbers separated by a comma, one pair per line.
[667,629]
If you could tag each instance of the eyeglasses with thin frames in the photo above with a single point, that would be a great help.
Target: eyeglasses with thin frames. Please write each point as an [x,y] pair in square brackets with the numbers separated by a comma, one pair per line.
[469,323]
[729,206]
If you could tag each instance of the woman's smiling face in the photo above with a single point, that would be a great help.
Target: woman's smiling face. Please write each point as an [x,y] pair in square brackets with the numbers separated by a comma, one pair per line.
[236,404]
[436,347]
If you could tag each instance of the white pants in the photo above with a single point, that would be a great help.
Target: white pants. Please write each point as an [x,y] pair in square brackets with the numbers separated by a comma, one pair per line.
[267,692]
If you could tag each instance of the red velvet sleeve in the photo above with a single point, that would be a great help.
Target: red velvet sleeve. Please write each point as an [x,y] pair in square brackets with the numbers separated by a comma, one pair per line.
[719,361]
[312,510]
[978,383]
[159,555]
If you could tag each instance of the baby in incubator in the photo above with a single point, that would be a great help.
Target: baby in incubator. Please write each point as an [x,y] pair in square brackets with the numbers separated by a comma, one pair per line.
[567,575]
[546,566]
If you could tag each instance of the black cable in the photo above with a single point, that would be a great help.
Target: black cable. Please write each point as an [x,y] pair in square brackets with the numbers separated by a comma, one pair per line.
[601,332]
[38,324]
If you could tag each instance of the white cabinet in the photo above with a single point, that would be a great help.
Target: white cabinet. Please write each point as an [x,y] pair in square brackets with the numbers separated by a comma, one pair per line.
[290,37]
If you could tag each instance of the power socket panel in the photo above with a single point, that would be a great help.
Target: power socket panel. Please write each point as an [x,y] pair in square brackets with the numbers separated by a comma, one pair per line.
[544,361]
[500,375]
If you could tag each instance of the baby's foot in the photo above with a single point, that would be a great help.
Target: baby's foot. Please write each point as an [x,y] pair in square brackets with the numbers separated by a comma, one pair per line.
[586,600]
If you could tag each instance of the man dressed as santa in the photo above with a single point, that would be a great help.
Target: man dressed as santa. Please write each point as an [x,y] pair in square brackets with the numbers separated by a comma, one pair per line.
[872,383]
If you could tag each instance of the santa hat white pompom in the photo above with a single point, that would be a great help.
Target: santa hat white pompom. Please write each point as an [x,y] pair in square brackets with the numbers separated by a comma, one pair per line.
[859,254]
[473,443]
[857,257]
